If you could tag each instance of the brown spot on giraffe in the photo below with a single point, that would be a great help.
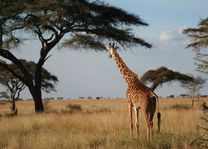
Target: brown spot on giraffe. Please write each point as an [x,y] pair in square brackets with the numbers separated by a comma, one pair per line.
[138,96]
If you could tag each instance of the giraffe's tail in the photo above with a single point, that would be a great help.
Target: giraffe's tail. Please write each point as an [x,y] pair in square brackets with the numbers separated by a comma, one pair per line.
[158,116]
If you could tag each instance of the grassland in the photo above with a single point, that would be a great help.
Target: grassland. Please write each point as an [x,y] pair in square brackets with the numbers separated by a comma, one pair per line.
[93,124]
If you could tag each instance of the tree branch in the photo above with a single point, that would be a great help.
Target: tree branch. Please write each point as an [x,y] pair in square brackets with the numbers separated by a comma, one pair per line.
[8,55]
[5,66]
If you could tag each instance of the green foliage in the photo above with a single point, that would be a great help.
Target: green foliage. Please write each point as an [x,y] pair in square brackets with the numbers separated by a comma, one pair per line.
[199,40]
[202,63]
[163,75]
[88,23]
[198,35]
[10,20]
[84,41]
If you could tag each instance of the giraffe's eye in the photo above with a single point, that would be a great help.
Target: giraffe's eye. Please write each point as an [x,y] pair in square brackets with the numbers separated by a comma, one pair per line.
[109,55]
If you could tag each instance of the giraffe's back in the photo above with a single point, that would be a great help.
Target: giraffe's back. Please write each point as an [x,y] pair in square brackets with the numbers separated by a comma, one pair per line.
[139,94]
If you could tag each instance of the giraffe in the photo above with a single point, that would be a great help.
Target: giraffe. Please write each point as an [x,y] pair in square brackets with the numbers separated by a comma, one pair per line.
[138,96]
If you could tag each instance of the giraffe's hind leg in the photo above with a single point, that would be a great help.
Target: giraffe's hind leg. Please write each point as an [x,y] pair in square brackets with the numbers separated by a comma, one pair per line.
[149,110]
[148,124]
[152,108]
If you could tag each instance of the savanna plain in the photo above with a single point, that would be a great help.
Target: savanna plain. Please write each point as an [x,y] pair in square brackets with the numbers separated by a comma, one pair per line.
[97,124]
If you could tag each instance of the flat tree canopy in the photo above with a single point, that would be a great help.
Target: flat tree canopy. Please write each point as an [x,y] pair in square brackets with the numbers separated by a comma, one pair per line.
[73,23]
[164,75]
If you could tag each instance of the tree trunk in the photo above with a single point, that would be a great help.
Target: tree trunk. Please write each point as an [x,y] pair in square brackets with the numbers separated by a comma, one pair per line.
[38,105]
[193,100]
[13,106]
[37,97]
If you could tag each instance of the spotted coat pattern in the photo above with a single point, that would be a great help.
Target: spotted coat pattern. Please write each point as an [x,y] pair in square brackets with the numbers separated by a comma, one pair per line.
[138,95]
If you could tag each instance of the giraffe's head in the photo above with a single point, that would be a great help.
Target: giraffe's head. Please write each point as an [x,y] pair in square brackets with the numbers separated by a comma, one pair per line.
[112,49]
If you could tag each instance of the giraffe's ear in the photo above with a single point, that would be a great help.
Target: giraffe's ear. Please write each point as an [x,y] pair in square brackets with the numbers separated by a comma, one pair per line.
[113,45]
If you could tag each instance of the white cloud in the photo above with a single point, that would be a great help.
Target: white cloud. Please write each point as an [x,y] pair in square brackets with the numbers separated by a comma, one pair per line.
[164,36]
[172,39]
[168,35]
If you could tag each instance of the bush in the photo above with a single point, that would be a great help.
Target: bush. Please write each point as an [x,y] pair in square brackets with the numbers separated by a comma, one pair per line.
[180,107]
[46,105]
[74,108]
[202,139]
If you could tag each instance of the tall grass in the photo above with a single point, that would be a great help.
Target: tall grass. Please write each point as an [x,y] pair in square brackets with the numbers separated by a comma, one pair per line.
[99,124]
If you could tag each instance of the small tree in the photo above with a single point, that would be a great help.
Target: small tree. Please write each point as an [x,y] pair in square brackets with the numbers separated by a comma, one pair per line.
[163,75]
[15,86]
[194,87]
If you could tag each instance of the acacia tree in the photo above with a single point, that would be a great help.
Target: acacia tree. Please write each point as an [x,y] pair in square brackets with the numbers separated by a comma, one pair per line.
[163,75]
[194,87]
[15,86]
[74,23]
[199,40]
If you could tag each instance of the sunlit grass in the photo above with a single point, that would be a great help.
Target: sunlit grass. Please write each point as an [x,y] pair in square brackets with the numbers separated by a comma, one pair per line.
[99,124]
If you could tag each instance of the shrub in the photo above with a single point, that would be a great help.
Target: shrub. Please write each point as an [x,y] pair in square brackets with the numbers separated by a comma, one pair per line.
[97,109]
[180,107]
[74,108]
[46,105]
[202,139]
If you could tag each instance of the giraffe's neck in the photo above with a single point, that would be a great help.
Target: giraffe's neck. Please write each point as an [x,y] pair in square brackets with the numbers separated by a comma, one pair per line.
[130,77]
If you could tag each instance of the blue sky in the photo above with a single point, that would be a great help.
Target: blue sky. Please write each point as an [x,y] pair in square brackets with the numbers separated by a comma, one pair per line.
[89,73]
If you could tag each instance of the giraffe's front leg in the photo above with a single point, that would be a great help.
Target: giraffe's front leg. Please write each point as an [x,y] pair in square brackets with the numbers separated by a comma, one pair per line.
[130,118]
[136,111]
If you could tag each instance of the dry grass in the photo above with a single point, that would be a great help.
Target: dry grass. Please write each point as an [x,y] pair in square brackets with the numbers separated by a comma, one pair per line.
[99,124]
